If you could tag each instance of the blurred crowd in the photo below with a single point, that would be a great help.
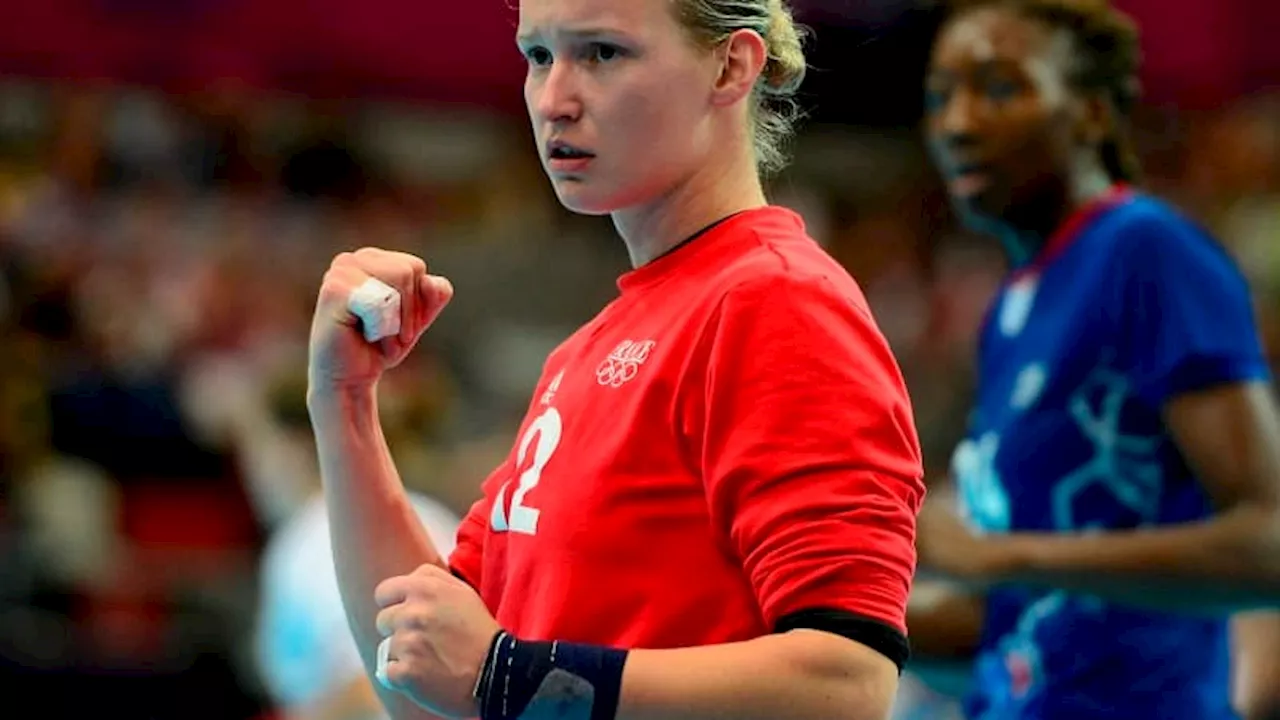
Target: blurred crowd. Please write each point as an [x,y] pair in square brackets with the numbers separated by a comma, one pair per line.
[159,257]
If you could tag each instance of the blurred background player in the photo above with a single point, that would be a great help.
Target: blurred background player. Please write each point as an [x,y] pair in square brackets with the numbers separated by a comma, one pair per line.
[305,652]
[690,448]
[1119,490]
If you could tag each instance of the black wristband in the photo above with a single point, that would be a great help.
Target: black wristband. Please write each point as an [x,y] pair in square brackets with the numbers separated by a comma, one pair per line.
[532,680]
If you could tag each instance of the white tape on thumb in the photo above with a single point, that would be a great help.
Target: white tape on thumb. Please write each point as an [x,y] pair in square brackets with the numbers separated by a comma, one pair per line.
[377,304]
[384,657]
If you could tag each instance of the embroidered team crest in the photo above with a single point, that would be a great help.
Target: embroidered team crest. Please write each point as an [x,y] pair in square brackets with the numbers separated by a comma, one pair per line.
[624,362]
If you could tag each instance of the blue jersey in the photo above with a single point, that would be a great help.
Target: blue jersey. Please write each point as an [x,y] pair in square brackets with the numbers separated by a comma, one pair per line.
[1129,306]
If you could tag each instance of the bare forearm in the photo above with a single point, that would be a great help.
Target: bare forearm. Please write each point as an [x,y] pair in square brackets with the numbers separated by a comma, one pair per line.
[374,530]
[1220,565]
[797,675]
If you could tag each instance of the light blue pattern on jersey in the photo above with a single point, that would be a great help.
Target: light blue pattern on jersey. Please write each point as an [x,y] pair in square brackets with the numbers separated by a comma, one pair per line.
[1125,465]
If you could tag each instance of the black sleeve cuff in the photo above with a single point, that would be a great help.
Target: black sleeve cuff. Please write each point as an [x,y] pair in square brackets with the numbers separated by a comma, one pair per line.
[879,636]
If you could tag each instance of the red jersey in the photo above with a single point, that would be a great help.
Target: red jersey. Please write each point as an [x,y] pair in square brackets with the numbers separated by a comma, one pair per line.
[726,444]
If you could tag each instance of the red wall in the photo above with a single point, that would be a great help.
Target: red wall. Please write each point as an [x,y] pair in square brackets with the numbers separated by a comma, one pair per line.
[1198,51]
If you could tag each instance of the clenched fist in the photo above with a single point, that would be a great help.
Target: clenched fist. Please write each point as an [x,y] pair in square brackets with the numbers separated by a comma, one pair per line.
[340,357]
[436,633]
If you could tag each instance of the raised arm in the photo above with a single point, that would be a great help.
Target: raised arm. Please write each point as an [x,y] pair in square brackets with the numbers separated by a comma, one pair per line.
[375,532]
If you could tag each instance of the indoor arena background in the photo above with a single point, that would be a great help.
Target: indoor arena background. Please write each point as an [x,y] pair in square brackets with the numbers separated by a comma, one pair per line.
[174,177]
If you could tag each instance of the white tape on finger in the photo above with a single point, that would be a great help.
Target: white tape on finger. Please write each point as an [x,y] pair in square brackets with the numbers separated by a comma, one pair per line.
[384,657]
[377,304]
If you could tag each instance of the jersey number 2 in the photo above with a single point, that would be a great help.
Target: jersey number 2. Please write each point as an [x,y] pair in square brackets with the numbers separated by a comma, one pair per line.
[522,518]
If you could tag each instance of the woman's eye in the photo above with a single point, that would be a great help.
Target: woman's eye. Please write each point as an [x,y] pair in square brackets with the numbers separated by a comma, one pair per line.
[603,52]
[539,56]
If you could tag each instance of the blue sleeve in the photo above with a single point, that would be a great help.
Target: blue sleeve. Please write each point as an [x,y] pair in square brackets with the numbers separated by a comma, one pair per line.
[1188,317]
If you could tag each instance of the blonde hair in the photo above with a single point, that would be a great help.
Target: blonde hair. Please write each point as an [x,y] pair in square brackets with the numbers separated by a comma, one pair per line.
[773,117]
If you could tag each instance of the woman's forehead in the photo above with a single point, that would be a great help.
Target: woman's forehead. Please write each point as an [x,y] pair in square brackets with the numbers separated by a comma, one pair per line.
[999,34]
[557,17]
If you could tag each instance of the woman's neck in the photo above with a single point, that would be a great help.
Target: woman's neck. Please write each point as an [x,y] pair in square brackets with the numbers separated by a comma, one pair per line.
[1027,230]
[711,193]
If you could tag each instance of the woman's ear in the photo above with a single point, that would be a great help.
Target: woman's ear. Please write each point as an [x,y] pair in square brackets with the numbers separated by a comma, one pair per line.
[743,56]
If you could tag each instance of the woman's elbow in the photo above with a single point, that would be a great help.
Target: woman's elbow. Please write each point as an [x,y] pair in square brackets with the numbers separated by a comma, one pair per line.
[841,678]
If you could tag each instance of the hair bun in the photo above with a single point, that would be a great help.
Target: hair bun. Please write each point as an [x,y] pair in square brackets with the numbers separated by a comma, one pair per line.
[785,69]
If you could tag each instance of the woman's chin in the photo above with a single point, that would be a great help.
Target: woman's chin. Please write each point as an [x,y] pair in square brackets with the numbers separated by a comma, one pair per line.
[578,196]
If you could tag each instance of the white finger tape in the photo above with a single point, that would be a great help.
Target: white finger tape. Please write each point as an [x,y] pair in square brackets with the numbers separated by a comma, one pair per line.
[384,657]
[377,304]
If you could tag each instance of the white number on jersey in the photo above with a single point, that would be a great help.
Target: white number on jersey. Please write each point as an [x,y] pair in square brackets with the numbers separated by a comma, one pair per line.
[524,519]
